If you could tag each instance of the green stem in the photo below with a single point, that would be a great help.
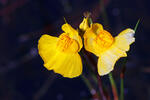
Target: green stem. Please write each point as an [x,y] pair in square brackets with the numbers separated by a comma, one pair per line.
[104,14]
[101,88]
[92,74]
[122,90]
[65,20]
[86,81]
[113,85]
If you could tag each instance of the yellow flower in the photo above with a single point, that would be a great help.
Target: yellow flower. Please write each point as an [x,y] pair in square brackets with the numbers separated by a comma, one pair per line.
[61,53]
[108,49]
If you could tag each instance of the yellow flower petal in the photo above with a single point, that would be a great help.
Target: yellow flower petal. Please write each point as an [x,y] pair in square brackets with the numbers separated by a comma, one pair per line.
[97,28]
[61,54]
[89,37]
[88,41]
[93,30]
[67,44]
[97,40]
[124,39]
[47,47]
[68,65]
[68,29]
[72,33]
[108,59]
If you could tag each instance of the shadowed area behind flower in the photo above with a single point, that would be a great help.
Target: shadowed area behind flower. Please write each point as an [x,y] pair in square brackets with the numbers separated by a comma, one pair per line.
[22,75]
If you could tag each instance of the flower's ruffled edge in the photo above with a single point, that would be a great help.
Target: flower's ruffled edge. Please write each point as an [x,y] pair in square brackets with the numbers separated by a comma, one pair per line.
[107,59]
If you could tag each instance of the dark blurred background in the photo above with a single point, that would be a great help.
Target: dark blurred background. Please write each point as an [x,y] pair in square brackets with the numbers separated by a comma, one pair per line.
[22,22]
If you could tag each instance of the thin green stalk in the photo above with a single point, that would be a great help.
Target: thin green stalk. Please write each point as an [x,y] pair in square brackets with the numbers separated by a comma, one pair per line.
[122,90]
[86,81]
[136,25]
[93,75]
[90,87]
[101,88]
[104,14]
[113,85]
[92,71]
[121,80]
[65,20]
[112,80]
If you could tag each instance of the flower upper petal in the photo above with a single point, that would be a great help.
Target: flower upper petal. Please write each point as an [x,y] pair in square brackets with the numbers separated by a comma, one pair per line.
[124,39]
[72,33]
[96,27]
[67,44]
[93,30]
[97,40]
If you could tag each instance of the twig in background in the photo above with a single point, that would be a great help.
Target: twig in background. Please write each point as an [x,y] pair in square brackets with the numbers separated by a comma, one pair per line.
[12,7]
[44,88]
[16,63]
[122,83]
[95,95]
[101,88]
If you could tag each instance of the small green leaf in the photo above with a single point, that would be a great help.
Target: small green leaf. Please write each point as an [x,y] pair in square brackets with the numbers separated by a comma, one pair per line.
[65,20]
[136,25]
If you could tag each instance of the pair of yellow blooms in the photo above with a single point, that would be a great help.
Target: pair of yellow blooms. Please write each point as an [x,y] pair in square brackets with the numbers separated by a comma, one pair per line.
[60,54]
